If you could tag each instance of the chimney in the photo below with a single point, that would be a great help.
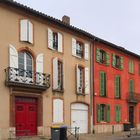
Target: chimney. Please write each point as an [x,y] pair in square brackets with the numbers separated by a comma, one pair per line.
[66,19]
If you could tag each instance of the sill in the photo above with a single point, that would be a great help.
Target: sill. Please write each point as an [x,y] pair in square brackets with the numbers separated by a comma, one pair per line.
[117,68]
[118,98]
[131,73]
[105,64]
[58,90]
[80,58]
[104,96]
[27,42]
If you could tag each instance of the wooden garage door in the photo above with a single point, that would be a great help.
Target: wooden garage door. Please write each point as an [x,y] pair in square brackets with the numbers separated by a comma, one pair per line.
[79,117]
[26,116]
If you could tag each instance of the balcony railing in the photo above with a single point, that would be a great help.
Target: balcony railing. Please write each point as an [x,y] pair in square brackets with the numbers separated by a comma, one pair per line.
[23,78]
[133,97]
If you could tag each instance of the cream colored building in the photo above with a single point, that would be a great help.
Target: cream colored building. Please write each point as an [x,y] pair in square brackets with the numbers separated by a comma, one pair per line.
[44,72]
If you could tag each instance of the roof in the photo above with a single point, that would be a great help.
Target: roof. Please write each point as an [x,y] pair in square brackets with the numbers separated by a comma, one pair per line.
[58,22]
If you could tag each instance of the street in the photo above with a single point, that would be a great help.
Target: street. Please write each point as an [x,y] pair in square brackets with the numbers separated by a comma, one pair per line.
[129,138]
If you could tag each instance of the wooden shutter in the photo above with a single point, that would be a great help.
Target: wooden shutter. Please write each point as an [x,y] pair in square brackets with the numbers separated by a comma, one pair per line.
[118,113]
[131,88]
[98,113]
[117,86]
[108,113]
[57,111]
[86,51]
[78,78]
[102,83]
[50,38]
[24,30]
[107,58]
[30,32]
[114,60]
[73,47]
[60,45]
[39,63]
[87,83]
[55,73]
[121,63]
[13,57]
[132,66]
[139,69]
[97,55]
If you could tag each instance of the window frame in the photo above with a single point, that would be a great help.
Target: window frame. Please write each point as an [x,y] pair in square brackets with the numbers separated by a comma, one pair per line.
[80,50]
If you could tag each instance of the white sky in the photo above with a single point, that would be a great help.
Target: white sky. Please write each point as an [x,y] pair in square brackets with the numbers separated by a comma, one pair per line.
[117,21]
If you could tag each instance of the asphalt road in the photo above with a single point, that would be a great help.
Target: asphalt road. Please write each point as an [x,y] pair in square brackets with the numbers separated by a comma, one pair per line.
[129,138]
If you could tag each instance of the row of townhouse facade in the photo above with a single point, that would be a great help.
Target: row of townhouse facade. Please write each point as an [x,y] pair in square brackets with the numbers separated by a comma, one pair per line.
[54,73]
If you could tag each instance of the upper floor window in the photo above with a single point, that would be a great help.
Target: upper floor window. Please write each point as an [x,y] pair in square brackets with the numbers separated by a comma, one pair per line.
[26,31]
[79,49]
[102,56]
[55,41]
[103,113]
[25,64]
[117,87]
[131,66]
[139,69]
[102,83]
[57,75]
[117,62]
[117,113]
[82,80]
[131,88]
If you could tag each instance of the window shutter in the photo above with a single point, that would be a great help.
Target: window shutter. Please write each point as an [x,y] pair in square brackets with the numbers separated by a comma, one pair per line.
[50,39]
[30,35]
[55,73]
[107,58]
[132,67]
[139,69]
[13,57]
[121,62]
[57,111]
[98,113]
[102,83]
[114,60]
[39,63]
[78,78]
[24,30]
[87,83]
[129,66]
[98,55]
[60,45]
[119,110]
[131,88]
[73,46]
[86,51]
[108,113]
[116,110]
[118,113]
[117,86]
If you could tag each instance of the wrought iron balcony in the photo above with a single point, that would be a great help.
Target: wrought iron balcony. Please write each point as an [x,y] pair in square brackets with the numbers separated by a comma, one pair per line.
[30,79]
[133,97]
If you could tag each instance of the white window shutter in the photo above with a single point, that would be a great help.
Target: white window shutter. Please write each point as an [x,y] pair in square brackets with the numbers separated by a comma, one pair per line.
[39,63]
[50,38]
[13,57]
[30,35]
[87,83]
[78,78]
[58,111]
[55,73]
[73,46]
[86,51]
[24,30]
[60,44]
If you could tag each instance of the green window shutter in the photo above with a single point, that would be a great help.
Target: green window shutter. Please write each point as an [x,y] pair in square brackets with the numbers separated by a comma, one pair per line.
[118,113]
[114,60]
[129,66]
[117,86]
[98,113]
[108,113]
[132,67]
[107,58]
[131,88]
[98,55]
[102,84]
[139,69]
[121,63]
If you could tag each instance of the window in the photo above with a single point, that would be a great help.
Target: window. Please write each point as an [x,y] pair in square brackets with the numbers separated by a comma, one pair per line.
[103,113]
[117,62]
[102,84]
[55,41]
[25,64]
[131,88]
[117,113]
[131,66]
[79,49]
[139,69]
[102,56]
[26,31]
[58,111]
[117,87]
[57,74]
[82,80]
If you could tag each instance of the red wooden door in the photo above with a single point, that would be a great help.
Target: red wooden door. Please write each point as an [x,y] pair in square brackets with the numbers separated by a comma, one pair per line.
[26,116]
